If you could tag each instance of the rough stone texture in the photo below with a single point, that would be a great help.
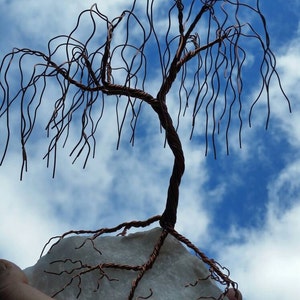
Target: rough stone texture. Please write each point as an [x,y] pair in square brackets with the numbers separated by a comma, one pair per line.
[174,268]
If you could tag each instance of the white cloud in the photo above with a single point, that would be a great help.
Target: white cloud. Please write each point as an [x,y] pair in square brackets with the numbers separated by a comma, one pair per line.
[265,264]
[23,213]
[288,64]
[265,259]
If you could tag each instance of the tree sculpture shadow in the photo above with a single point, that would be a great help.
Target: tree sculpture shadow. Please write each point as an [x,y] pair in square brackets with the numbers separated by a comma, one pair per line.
[204,47]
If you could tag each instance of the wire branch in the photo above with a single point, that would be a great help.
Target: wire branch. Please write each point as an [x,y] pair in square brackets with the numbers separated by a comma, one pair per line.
[76,270]
[200,69]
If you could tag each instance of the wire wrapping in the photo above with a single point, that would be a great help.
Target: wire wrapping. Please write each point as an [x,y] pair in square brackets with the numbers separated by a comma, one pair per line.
[87,71]
[207,63]
[209,66]
[79,268]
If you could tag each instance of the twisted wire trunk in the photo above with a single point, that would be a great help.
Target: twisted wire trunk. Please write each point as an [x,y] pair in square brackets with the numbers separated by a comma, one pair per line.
[169,216]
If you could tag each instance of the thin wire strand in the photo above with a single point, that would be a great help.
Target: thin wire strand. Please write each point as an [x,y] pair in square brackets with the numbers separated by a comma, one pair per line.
[211,83]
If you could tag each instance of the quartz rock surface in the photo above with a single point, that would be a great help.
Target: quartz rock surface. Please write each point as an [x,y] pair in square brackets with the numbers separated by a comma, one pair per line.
[168,279]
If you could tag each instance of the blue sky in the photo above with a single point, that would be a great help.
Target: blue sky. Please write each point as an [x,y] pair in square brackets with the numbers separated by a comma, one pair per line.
[242,209]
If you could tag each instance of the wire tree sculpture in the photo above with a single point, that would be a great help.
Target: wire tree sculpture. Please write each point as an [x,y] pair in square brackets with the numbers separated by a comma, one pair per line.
[201,55]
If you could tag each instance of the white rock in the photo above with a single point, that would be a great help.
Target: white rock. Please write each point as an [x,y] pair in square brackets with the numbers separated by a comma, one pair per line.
[174,268]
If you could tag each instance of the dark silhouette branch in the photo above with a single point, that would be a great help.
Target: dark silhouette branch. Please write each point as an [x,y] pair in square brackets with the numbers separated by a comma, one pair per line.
[203,68]
[118,69]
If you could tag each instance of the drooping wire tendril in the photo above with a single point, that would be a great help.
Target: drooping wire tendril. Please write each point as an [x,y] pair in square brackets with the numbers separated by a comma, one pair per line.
[200,72]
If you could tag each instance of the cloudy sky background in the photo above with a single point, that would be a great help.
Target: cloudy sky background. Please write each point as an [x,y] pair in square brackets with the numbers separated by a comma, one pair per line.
[242,209]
